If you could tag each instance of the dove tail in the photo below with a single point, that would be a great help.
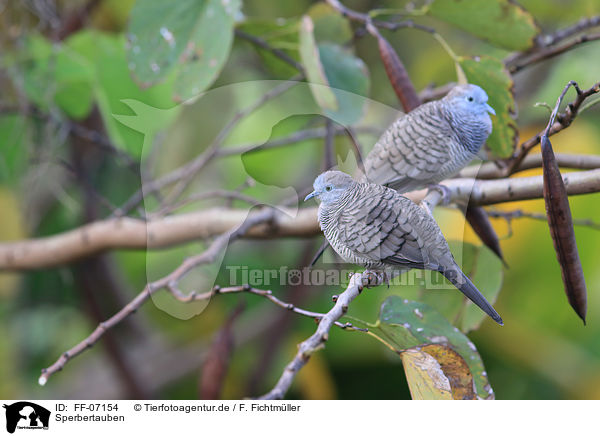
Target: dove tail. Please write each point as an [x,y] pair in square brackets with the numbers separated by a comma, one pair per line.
[466,286]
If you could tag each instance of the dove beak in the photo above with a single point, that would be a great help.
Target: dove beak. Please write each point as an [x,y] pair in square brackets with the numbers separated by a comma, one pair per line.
[311,195]
[490,109]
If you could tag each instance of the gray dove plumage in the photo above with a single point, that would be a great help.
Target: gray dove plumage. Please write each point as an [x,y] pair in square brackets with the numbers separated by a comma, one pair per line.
[433,142]
[375,227]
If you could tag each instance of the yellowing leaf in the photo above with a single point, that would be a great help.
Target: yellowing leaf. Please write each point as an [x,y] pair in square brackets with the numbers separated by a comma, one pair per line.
[455,369]
[425,377]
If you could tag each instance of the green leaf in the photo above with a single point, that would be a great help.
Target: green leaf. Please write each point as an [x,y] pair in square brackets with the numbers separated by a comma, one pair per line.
[409,325]
[281,34]
[13,147]
[315,73]
[501,22]
[114,89]
[57,74]
[339,80]
[490,74]
[349,79]
[193,37]
[330,26]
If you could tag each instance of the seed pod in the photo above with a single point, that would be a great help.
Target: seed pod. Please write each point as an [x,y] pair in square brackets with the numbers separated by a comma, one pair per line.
[562,231]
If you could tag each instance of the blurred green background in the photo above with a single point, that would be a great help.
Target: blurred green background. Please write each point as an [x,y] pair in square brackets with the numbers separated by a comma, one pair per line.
[542,352]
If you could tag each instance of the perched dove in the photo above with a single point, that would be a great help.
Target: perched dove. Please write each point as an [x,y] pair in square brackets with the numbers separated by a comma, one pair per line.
[375,227]
[433,142]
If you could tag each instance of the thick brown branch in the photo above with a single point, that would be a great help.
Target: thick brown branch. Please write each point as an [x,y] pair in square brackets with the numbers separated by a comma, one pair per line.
[130,233]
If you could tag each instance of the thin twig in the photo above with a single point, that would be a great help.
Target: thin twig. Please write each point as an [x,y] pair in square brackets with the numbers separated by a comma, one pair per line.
[265,45]
[364,18]
[509,215]
[560,121]
[543,42]
[185,173]
[203,159]
[550,52]
[218,193]
[298,136]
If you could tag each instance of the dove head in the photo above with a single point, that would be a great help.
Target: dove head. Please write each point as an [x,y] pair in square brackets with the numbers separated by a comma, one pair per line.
[469,100]
[330,186]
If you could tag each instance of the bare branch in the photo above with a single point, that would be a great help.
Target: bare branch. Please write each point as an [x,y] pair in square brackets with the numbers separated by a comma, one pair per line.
[318,339]
[364,18]
[266,46]
[545,45]
[550,52]
[563,120]
[298,136]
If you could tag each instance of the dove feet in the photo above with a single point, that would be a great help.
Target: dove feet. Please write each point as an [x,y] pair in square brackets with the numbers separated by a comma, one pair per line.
[444,192]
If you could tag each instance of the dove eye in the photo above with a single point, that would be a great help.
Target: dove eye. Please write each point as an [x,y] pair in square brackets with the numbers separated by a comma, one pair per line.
[470,98]
[328,188]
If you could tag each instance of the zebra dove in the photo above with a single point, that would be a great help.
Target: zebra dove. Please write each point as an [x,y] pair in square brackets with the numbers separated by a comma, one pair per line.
[375,227]
[433,142]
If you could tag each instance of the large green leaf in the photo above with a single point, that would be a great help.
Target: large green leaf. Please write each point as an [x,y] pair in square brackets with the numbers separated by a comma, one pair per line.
[349,79]
[409,326]
[114,89]
[490,74]
[315,73]
[501,22]
[192,36]
[339,80]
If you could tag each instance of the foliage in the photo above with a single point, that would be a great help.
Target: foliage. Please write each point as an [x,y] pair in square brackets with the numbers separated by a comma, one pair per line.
[133,66]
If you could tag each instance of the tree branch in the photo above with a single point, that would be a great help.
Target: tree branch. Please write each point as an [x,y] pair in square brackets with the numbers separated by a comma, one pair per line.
[129,233]
[552,51]
[490,170]
[545,46]
[169,283]
[318,339]
[563,120]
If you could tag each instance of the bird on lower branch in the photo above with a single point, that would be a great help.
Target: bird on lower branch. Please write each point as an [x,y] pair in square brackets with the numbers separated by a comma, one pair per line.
[375,227]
